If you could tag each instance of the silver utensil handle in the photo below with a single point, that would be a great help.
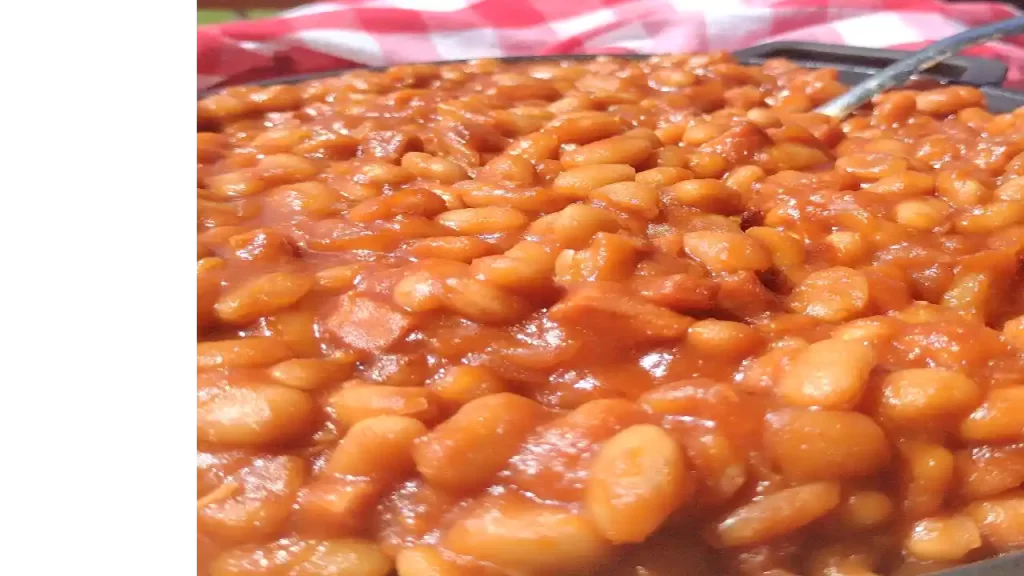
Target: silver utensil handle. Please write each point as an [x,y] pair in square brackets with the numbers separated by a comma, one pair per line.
[899,72]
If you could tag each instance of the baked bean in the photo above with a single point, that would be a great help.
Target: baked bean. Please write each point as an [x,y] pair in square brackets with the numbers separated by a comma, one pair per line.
[462,384]
[990,217]
[763,117]
[961,190]
[581,307]
[922,214]
[259,504]
[574,226]
[458,248]
[508,168]
[645,134]
[908,183]
[278,140]
[526,265]
[609,257]
[353,404]
[989,470]
[723,338]
[285,169]
[412,201]
[304,558]
[928,474]
[577,183]
[829,374]
[940,539]
[663,176]
[945,101]
[250,412]
[893,108]
[795,156]
[872,167]
[241,353]
[429,167]
[927,396]
[262,296]
[1011,190]
[641,199]
[705,164]
[379,447]
[468,449]
[1000,520]
[482,301]
[425,561]
[833,295]
[536,147]
[695,397]
[328,145]
[498,531]
[614,150]
[726,251]
[483,220]
[234,184]
[310,199]
[585,127]
[309,373]
[1000,417]
[717,461]
[706,195]
[703,132]
[825,444]
[874,330]
[744,178]
[785,249]
[261,245]
[637,479]
[777,514]
[672,157]
[847,248]
[378,174]
[1013,332]
[865,509]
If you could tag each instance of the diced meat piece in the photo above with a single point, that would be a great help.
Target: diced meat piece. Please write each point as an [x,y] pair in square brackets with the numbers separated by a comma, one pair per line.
[607,308]
[680,292]
[367,324]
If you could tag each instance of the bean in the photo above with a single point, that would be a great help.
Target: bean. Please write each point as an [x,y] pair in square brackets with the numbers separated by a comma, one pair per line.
[777,514]
[637,479]
[825,444]
[250,412]
[467,450]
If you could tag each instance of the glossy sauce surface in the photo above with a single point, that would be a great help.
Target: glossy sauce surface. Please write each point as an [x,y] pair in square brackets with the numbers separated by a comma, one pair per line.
[616,317]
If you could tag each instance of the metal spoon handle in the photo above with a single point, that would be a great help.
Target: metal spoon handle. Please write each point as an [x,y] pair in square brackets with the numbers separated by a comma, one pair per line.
[899,72]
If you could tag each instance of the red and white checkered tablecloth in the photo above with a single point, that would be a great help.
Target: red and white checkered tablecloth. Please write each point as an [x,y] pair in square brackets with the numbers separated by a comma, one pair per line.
[332,35]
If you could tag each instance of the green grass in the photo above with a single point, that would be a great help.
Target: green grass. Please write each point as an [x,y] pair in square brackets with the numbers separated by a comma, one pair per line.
[218,16]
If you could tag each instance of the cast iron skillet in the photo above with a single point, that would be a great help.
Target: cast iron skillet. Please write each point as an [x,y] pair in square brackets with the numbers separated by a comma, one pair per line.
[853,64]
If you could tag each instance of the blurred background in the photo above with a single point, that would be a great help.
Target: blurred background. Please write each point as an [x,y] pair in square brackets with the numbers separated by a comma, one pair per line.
[216,11]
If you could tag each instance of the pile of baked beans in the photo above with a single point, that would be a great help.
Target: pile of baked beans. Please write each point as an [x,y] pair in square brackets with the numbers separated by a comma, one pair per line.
[612,317]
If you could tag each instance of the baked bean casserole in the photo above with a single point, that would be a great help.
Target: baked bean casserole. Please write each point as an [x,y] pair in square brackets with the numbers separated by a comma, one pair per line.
[608,317]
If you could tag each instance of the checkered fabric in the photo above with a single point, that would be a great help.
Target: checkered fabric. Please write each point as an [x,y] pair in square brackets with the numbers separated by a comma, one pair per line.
[335,35]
